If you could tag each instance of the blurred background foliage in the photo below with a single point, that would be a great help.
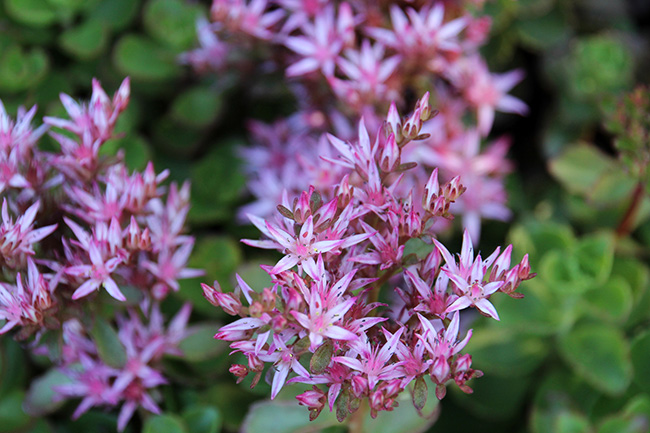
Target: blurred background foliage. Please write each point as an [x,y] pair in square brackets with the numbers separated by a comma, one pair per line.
[573,356]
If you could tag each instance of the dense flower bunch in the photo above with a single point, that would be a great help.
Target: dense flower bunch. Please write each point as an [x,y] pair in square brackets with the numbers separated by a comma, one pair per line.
[343,246]
[347,60]
[75,223]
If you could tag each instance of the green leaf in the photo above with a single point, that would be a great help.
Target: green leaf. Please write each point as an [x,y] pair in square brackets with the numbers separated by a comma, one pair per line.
[624,424]
[322,357]
[20,70]
[640,352]
[418,247]
[143,59]
[612,301]
[543,31]
[537,238]
[137,152]
[580,167]
[595,254]
[117,14]
[599,63]
[171,22]
[498,351]
[536,313]
[639,405]
[40,399]
[284,417]
[563,274]
[219,256]
[164,424]
[217,183]
[202,419]
[70,6]
[12,365]
[85,41]
[109,347]
[197,107]
[12,416]
[31,12]
[494,397]
[600,354]
[199,343]
[568,422]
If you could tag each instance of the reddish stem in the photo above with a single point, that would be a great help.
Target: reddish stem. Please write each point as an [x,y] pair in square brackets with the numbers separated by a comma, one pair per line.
[626,225]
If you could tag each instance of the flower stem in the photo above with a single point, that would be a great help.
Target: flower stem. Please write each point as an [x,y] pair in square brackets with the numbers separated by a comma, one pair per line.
[356,419]
[373,295]
[627,223]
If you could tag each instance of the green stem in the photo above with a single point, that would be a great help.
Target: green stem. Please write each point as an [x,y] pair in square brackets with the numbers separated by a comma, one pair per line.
[355,424]
[373,295]
[627,223]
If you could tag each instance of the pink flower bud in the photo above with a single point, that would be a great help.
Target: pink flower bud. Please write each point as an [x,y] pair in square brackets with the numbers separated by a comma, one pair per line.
[440,370]
[463,363]
[239,370]
[394,123]
[359,385]
[227,301]
[314,398]
[279,323]
[390,157]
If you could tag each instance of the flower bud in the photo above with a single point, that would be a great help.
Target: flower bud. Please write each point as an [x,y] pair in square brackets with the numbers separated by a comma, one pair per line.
[359,385]
[390,157]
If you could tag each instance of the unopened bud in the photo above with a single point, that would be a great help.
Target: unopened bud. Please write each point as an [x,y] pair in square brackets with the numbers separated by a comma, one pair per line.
[390,157]
[359,385]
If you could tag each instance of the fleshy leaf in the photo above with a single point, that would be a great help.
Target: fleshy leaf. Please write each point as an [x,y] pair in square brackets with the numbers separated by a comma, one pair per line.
[40,399]
[12,416]
[197,107]
[109,347]
[143,59]
[202,419]
[164,424]
[199,344]
[499,351]
[284,417]
[85,41]
[171,22]
[600,354]
[611,301]
[640,352]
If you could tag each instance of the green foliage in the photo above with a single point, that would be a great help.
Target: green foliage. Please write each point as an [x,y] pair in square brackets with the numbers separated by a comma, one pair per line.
[109,347]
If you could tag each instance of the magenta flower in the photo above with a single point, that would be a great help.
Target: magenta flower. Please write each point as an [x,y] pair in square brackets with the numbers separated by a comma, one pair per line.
[98,274]
[468,277]
[320,46]
[372,361]
[17,238]
[326,308]
[284,361]
[25,304]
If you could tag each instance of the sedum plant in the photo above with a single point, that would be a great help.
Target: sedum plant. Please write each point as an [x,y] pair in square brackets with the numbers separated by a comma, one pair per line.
[352,310]
[86,245]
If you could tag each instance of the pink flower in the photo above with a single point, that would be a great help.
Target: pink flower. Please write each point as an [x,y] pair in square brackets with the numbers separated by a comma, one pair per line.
[442,345]
[326,308]
[372,361]
[17,238]
[98,273]
[468,277]
[284,361]
[25,304]
[320,46]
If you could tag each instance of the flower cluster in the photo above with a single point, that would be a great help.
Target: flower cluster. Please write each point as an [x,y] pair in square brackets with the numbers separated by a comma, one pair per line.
[341,248]
[126,377]
[75,223]
[345,60]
